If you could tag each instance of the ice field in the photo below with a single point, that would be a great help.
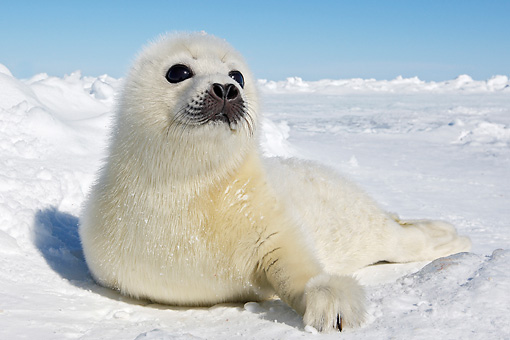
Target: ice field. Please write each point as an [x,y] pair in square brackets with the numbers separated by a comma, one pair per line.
[422,149]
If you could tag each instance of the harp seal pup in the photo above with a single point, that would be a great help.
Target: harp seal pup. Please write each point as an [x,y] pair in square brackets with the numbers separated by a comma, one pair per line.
[186,211]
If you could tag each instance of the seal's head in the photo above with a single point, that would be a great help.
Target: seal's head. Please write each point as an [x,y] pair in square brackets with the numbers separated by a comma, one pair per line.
[193,95]
[194,79]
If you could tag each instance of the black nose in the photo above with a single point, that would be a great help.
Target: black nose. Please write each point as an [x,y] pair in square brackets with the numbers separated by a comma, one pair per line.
[227,91]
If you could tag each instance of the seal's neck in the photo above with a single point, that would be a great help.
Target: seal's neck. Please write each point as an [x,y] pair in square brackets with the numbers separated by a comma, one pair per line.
[193,157]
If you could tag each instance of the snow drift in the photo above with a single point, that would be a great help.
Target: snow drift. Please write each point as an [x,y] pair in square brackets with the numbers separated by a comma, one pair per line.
[423,149]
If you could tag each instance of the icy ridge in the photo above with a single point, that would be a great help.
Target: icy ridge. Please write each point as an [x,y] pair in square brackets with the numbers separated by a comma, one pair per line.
[462,83]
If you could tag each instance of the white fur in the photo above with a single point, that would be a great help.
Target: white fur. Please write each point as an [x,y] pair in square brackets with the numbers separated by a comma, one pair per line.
[329,297]
[191,215]
[349,230]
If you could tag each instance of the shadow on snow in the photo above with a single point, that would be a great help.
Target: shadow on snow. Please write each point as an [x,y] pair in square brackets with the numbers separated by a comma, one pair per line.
[56,236]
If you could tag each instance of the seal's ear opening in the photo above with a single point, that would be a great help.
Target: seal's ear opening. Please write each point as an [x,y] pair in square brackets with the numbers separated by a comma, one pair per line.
[178,73]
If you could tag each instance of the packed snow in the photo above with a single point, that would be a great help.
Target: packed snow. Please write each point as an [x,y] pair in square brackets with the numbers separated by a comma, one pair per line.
[422,149]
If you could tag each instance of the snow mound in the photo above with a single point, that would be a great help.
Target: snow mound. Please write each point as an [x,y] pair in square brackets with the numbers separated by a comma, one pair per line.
[486,133]
[14,91]
[274,139]
[441,152]
[463,83]
[4,70]
[450,293]
[101,89]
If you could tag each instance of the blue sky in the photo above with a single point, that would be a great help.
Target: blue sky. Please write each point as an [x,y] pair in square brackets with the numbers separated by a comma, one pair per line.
[431,39]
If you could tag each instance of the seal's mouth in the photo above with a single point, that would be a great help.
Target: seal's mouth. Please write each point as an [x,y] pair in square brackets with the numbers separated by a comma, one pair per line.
[224,103]
[220,104]
[223,118]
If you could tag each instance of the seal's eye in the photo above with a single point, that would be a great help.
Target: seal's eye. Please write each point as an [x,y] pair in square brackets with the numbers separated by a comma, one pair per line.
[237,76]
[178,73]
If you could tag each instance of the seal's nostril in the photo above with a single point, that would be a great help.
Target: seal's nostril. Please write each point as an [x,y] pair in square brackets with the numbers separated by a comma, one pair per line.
[218,90]
[232,92]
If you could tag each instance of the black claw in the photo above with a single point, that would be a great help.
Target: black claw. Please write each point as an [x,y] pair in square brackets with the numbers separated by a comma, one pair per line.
[339,323]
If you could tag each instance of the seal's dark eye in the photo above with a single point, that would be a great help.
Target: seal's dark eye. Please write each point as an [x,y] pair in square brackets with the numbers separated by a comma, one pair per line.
[178,73]
[237,76]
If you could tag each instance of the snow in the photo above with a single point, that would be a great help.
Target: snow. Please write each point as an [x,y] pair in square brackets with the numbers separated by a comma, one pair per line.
[422,149]
[462,83]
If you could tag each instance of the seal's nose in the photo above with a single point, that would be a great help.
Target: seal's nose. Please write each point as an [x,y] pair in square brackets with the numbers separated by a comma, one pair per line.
[232,92]
[218,90]
[225,92]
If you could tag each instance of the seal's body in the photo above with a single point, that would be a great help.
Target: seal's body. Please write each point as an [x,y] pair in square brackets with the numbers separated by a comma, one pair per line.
[186,212]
